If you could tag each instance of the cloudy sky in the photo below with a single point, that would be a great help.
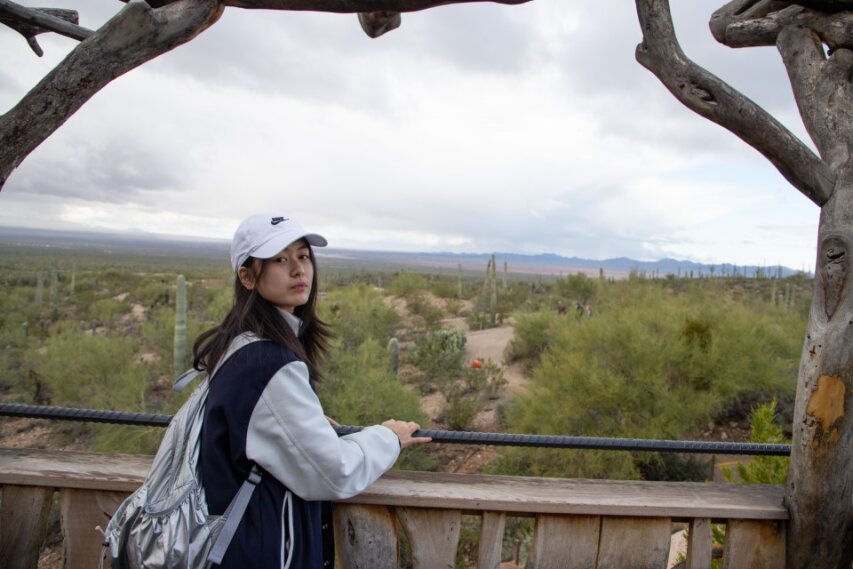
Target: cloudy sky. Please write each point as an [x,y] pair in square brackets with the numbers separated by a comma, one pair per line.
[473,128]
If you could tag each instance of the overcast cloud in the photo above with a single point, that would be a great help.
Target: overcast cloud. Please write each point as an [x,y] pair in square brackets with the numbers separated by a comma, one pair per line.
[476,128]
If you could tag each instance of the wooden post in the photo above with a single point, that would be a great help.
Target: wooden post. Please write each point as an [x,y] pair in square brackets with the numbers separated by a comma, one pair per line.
[81,513]
[635,543]
[491,540]
[433,535]
[23,525]
[365,537]
[754,544]
[699,544]
[565,542]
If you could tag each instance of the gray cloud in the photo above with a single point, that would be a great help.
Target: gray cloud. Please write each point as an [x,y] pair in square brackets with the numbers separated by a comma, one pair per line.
[108,171]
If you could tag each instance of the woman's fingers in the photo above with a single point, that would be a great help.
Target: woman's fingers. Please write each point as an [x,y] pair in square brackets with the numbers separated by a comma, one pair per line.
[404,430]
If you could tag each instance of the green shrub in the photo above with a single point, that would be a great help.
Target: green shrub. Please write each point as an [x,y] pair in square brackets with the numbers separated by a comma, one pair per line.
[762,469]
[357,313]
[651,364]
[533,333]
[439,354]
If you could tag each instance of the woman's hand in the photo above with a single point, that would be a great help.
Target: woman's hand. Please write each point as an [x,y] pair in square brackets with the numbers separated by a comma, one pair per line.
[404,430]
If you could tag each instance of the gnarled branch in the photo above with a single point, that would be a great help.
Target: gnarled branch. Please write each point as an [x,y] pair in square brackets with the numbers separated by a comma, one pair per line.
[135,35]
[820,85]
[735,25]
[343,6]
[30,22]
[712,98]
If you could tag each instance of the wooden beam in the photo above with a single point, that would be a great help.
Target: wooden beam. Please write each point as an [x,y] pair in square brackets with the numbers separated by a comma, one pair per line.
[470,492]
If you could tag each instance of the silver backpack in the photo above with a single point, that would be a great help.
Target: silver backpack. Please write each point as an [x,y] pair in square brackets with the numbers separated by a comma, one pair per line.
[165,524]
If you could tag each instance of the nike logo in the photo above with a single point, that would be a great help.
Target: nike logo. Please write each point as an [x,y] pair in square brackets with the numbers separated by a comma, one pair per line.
[277,220]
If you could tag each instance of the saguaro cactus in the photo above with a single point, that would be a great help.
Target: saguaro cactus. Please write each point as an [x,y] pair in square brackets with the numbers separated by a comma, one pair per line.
[393,356]
[493,294]
[180,349]
[39,288]
[54,288]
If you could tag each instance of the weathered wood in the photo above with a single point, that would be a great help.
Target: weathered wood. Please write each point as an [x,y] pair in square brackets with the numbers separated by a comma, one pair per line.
[81,513]
[712,98]
[639,544]
[491,540]
[754,545]
[814,41]
[69,469]
[433,536]
[681,500]
[23,525]
[38,20]
[366,537]
[375,24]
[518,494]
[565,542]
[132,37]
[699,544]
[753,28]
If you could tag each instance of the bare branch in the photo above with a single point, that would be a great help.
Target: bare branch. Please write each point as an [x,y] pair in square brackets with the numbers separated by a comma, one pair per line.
[345,6]
[820,85]
[761,27]
[135,35]
[712,98]
[30,22]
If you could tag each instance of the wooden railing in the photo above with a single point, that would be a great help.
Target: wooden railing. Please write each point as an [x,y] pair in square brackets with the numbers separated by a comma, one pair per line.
[578,523]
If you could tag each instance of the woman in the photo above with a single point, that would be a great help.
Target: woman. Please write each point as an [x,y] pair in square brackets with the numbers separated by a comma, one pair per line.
[262,408]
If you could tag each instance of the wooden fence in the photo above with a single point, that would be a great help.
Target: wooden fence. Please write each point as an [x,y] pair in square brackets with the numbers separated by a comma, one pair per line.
[597,524]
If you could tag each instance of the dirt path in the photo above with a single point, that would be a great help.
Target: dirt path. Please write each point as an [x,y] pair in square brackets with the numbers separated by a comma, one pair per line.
[483,345]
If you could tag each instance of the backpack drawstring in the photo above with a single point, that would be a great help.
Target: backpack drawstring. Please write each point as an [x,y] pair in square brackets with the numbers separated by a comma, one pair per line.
[287,538]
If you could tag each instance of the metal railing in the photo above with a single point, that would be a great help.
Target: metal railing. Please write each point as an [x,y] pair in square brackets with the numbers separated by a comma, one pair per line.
[438,436]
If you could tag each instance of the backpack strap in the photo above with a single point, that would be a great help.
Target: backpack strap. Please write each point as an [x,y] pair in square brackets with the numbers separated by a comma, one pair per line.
[183,380]
[233,514]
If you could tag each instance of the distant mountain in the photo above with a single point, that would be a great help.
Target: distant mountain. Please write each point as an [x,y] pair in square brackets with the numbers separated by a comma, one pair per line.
[545,263]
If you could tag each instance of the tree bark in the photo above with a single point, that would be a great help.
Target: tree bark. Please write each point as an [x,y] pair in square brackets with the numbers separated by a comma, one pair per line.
[344,6]
[135,35]
[819,485]
[819,482]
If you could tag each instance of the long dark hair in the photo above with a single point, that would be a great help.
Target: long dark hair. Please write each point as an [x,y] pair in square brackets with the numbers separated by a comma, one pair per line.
[252,313]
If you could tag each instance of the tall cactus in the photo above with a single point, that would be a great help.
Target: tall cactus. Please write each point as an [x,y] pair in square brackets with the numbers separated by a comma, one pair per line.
[459,282]
[54,288]
[493,294]
[393,356]
[506,270]
[39,288]
[179,356]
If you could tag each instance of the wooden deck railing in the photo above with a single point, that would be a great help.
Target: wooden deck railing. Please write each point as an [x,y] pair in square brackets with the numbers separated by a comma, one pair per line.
[578,523]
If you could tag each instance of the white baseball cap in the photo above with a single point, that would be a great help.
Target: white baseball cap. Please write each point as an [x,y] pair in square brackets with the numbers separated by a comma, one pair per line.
[264,235]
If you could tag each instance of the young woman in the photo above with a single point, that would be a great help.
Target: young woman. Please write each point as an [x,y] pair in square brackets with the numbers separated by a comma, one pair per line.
[262,408]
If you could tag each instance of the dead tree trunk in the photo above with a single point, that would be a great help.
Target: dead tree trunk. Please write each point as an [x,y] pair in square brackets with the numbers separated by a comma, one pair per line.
[816,49]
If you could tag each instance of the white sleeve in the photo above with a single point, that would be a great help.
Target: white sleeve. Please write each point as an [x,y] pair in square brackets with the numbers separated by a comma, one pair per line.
[290,438]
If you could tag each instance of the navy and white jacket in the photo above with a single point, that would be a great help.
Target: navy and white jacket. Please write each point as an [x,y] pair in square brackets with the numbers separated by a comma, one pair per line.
[262,409]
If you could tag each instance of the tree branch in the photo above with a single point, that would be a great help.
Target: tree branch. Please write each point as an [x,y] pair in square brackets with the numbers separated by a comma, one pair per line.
[344,6]
[821,88]
[734,27]
[712,98]
[30,22]
[133,36]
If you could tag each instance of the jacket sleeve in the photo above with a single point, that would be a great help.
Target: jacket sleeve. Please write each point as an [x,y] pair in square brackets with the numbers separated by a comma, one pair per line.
[289,437]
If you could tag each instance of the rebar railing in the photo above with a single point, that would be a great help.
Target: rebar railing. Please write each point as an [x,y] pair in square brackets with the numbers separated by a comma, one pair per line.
[438,436]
